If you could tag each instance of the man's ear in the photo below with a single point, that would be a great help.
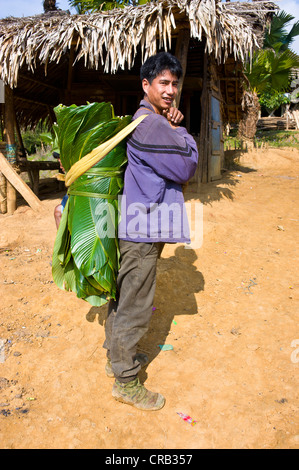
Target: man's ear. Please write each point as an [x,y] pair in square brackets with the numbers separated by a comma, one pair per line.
[145,85]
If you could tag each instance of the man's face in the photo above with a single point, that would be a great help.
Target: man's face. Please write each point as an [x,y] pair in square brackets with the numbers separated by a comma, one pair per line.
[162,91]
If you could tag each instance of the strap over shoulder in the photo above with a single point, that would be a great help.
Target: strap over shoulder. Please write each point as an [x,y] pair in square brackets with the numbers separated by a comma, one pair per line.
[98,153]
[145,111]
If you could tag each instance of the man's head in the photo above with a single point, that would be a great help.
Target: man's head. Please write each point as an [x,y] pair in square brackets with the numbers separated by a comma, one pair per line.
[156,64]
[160,75]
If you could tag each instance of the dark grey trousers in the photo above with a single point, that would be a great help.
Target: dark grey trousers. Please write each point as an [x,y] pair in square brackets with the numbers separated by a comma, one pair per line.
[129,316]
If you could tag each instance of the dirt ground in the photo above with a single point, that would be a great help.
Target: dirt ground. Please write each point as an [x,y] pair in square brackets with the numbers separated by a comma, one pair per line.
[229,309]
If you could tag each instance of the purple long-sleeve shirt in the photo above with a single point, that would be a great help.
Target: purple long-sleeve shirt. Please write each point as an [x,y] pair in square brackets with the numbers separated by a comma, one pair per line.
[160,160]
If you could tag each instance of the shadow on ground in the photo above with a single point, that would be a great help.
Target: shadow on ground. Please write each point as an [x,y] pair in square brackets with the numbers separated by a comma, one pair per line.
[177,282]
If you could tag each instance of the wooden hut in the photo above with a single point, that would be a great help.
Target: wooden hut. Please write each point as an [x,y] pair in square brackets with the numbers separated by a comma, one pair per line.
[57,58]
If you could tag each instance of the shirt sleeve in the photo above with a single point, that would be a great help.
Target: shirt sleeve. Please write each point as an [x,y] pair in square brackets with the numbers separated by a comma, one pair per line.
[171,153]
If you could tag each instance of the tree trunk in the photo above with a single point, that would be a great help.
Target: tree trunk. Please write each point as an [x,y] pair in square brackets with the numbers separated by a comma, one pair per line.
[248,123]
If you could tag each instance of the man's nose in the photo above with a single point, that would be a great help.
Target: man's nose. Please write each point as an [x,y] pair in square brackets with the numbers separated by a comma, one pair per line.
[171,89]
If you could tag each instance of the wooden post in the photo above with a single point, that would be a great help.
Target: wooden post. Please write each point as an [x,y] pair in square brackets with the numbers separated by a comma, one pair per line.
[10,146]
[19,135]
[181,52]
[68,90]
[187,113]
[3,202]
[287,116]
[204,126]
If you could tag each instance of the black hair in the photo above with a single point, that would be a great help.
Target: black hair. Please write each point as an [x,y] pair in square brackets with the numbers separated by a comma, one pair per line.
[158,63]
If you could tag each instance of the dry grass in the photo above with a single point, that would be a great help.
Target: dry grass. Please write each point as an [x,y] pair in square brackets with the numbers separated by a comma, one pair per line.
[112,38]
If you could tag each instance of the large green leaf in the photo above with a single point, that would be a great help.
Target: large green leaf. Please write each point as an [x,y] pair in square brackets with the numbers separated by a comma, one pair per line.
[86,246]
[86,254]
[78,125]
[62,264]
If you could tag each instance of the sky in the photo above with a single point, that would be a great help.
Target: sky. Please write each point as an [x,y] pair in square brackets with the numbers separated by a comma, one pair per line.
[34,7]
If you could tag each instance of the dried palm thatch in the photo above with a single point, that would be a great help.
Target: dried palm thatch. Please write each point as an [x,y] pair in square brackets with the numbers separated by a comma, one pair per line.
[111,39]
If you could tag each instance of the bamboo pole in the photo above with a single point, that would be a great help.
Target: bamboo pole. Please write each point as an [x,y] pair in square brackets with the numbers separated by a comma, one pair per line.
[10,147]
[18,184]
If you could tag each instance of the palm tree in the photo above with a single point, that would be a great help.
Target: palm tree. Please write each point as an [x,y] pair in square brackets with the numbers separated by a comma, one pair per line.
[49,5]
[269,73]
[278,35]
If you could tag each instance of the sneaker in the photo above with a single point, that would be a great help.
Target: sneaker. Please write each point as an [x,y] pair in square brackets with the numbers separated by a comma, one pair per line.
[135,394]
[142,358]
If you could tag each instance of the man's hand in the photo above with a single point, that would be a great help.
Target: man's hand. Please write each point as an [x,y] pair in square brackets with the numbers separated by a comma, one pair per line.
[173,116]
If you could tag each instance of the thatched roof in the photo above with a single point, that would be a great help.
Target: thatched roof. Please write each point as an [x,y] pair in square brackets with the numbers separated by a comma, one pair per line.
[110,40]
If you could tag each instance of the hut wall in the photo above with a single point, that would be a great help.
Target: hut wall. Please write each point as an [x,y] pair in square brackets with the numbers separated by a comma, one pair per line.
[206,119]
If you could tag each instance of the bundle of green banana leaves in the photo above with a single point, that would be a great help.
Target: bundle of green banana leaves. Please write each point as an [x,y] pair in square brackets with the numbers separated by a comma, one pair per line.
[86,254]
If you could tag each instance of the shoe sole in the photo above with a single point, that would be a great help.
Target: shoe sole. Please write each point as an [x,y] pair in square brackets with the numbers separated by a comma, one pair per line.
[109,372]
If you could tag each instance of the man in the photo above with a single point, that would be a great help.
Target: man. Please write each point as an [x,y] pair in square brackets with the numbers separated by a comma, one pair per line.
[60,207]
[161,157]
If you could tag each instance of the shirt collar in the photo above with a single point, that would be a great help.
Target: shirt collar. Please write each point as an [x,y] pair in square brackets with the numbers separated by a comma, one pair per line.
[146,104]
